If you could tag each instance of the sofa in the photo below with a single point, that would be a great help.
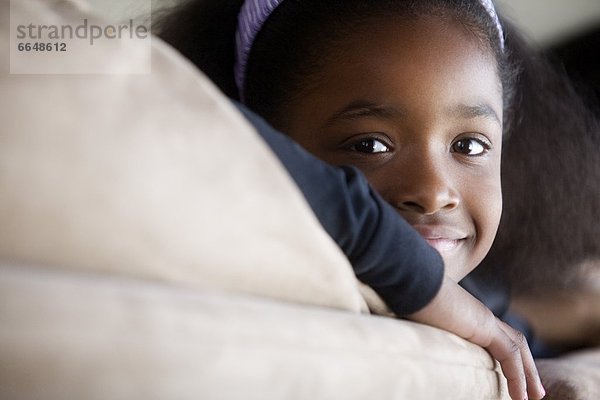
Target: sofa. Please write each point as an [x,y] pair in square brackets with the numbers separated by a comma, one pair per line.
[152,247]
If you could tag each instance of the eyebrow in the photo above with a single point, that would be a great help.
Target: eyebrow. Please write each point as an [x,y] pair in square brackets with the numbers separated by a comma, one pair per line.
[361,109]
[470,112]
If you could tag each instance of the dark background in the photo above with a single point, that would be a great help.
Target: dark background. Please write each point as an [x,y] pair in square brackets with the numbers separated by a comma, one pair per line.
[580,58]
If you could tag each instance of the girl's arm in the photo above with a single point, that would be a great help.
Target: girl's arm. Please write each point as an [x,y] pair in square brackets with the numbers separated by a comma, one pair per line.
[455,310]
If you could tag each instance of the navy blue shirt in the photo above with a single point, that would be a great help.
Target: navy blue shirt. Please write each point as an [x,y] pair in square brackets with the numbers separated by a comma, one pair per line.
[384,250]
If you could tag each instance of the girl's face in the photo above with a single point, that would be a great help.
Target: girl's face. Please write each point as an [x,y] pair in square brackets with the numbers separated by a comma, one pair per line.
[418,108]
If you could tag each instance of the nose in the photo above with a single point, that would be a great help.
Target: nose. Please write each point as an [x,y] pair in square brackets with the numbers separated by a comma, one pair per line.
[426,187]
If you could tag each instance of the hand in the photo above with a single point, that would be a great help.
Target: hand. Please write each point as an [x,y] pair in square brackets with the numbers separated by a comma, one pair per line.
[455,310]
[510,348]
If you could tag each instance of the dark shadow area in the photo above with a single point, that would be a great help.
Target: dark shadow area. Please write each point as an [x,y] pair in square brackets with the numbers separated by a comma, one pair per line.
[580,58]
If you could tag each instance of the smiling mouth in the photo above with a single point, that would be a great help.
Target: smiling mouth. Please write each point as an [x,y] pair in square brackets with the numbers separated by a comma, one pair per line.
[442,238]
[444,245]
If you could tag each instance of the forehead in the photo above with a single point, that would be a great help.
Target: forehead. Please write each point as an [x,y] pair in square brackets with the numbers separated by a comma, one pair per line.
[426,58]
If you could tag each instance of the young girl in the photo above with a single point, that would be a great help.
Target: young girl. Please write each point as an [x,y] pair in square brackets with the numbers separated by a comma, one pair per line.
[413,93]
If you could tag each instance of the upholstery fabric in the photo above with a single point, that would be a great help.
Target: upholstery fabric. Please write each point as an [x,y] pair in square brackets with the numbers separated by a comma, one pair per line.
[68,335]
[153,176]
[575,376]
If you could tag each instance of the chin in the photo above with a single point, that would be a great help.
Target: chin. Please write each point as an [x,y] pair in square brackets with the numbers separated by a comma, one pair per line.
[458,266]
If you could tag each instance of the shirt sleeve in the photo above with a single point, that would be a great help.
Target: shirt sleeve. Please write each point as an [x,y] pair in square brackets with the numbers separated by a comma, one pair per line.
[384,250]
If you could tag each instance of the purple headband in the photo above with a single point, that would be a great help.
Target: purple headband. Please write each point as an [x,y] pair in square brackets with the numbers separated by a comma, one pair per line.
[253,15]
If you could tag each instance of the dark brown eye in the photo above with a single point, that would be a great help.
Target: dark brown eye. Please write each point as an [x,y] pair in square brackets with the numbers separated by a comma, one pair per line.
[470,147]
[370,146]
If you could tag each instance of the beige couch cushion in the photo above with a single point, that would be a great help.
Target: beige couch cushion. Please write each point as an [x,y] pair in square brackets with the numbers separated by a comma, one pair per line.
[575,376]
[153,176]
[68,335]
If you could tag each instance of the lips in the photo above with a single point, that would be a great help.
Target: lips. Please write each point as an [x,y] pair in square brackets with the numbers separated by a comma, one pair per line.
[442,238]
[443,245]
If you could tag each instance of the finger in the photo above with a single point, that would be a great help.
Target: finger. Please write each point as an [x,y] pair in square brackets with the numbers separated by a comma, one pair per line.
[535,390]
[504,349]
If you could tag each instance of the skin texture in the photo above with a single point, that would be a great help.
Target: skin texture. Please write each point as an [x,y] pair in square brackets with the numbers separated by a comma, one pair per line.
[421,117]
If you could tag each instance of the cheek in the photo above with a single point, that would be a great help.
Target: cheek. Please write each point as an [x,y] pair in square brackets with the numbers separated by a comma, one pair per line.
[493,210]
[486,209]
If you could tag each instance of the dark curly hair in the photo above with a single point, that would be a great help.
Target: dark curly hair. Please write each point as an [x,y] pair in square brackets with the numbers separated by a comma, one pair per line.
[550,179]
[298,37]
